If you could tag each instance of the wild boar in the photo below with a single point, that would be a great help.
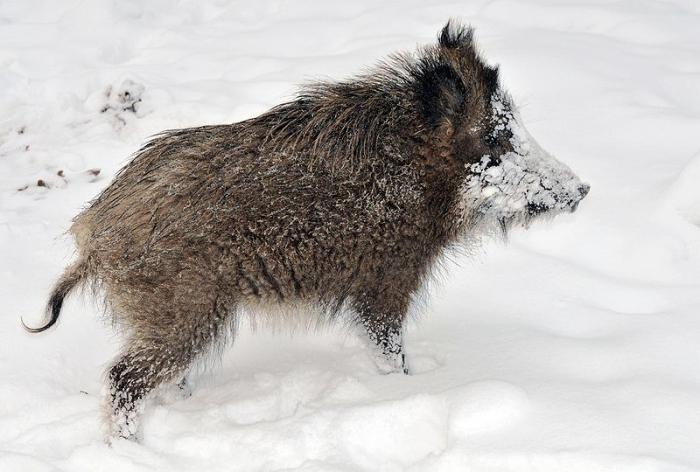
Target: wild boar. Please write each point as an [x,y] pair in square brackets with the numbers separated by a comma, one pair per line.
[343,199]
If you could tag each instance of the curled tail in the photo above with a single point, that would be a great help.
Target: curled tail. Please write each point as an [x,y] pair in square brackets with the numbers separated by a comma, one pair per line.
[72,276]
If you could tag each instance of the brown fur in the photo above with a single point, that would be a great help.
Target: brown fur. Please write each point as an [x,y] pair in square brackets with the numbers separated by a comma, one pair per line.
[342,198]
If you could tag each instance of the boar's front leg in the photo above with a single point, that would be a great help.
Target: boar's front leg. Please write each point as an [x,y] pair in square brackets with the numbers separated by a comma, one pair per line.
[382,315]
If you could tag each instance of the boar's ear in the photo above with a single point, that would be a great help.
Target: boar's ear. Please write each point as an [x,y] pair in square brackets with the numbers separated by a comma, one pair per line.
[441,93]
[455,35]
[458,38]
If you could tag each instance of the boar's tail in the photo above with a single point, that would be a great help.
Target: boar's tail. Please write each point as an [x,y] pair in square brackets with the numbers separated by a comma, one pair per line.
[73,275]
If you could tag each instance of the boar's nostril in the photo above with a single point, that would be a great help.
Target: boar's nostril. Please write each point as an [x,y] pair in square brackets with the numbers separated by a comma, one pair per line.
[583,189]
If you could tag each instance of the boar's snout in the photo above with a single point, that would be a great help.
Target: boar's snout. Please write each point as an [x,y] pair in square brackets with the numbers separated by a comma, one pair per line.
[583,190]
[556,189]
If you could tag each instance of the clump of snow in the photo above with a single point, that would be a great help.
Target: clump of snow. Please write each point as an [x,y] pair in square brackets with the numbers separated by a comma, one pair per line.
[574,348]
[123,102]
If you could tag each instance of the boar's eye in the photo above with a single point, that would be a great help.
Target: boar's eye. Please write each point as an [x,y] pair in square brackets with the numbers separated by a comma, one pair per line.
[492,139]
[498,141]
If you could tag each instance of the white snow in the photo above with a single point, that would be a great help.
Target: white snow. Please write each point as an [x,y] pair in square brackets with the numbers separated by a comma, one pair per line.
[576,347]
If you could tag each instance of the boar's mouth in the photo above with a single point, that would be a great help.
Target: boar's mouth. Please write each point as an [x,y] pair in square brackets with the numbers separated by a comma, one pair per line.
[569,204]
[538,209]
[535,209]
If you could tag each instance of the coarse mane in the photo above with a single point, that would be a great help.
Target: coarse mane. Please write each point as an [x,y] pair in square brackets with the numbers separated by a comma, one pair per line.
[345,121]
[408,93]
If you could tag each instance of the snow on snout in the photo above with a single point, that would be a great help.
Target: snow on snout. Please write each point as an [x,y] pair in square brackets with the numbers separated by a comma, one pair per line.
[524,182]
[546,182]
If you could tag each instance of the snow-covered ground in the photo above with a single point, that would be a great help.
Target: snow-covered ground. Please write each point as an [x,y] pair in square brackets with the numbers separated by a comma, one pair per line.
[574,348]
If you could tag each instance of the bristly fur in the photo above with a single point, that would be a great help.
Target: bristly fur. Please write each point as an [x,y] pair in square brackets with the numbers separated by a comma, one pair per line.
[344,199]
[346,120]
[455,35]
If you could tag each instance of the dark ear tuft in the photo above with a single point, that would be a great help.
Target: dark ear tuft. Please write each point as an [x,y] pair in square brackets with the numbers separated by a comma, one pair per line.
[455,35]
[441,93]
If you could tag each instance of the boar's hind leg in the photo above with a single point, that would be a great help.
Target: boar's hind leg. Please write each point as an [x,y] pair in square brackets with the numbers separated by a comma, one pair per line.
[154,356]
[383,321]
